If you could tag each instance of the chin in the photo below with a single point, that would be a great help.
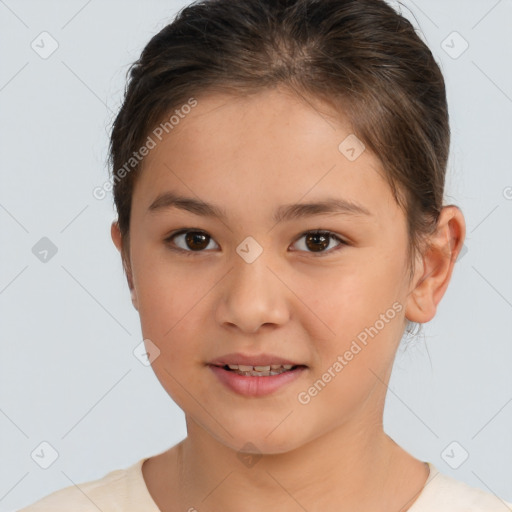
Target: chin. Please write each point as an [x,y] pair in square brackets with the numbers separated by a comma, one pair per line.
[258,441]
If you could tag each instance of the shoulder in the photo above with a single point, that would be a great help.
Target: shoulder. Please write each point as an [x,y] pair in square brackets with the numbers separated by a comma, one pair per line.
[444,493]
[117,490]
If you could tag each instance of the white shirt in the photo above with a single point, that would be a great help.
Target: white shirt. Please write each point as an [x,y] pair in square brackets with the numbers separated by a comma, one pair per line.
[124,490]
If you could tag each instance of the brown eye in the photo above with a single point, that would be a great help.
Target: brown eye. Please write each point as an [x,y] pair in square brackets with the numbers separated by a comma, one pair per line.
[189,241]
[318,241]
[196,241]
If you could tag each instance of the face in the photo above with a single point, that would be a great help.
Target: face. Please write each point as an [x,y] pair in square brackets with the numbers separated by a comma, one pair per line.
[250,283]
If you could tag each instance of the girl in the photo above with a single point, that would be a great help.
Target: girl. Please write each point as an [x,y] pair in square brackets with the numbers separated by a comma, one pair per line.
[278,172]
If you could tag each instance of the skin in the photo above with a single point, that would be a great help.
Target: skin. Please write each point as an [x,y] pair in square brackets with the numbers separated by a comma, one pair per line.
[249,156]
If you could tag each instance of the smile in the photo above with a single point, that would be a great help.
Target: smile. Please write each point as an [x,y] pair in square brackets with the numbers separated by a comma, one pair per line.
[259,371]
[256,381]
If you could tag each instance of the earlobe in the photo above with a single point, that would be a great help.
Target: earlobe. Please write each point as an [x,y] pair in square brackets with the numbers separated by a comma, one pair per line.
[117,239]
[416,303]
[135,302]
[436,265]
[115,233]
[131,286]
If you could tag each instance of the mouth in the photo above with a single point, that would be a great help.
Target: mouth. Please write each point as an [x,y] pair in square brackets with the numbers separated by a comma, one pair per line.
[257,380]
[259,371]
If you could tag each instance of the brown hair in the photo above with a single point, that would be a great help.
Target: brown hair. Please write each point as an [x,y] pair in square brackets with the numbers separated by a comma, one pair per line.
[360,56]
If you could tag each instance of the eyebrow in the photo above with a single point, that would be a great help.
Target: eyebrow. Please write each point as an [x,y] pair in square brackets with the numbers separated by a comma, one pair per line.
[287,212]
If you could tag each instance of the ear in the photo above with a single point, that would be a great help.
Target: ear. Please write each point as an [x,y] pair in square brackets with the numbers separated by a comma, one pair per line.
[434,268]
[115,233]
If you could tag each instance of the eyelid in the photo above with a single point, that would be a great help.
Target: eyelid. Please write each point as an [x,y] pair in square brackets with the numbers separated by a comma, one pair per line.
[168,240]
[331,234]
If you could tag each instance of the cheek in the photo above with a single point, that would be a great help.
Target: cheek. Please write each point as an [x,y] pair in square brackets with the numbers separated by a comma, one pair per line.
[167,292]
[351,296]
[169,306]
[355,311]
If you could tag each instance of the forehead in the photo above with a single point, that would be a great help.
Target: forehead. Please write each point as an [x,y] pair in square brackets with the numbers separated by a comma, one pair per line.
[231,125]
[273,144]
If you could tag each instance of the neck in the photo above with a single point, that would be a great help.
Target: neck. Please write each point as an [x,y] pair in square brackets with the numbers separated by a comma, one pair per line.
[352,467]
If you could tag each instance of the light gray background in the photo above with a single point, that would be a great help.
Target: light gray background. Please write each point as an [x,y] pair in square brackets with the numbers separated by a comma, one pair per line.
[68,373]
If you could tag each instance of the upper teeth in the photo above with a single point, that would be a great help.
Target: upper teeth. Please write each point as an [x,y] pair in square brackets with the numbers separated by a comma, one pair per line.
[267,368]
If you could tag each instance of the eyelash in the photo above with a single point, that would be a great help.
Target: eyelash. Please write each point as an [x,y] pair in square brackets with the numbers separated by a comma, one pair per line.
[330,234]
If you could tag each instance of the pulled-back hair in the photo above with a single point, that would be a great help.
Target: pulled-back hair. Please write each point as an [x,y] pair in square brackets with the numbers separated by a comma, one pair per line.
[361,57]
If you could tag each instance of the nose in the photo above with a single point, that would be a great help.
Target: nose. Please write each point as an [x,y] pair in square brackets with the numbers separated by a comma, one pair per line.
[252,295]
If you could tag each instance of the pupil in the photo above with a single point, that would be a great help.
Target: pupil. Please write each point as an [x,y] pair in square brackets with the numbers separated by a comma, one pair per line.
[193,237]
[317,236]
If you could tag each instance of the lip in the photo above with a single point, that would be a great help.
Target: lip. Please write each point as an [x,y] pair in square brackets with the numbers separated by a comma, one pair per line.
[255,386]
[252,360]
